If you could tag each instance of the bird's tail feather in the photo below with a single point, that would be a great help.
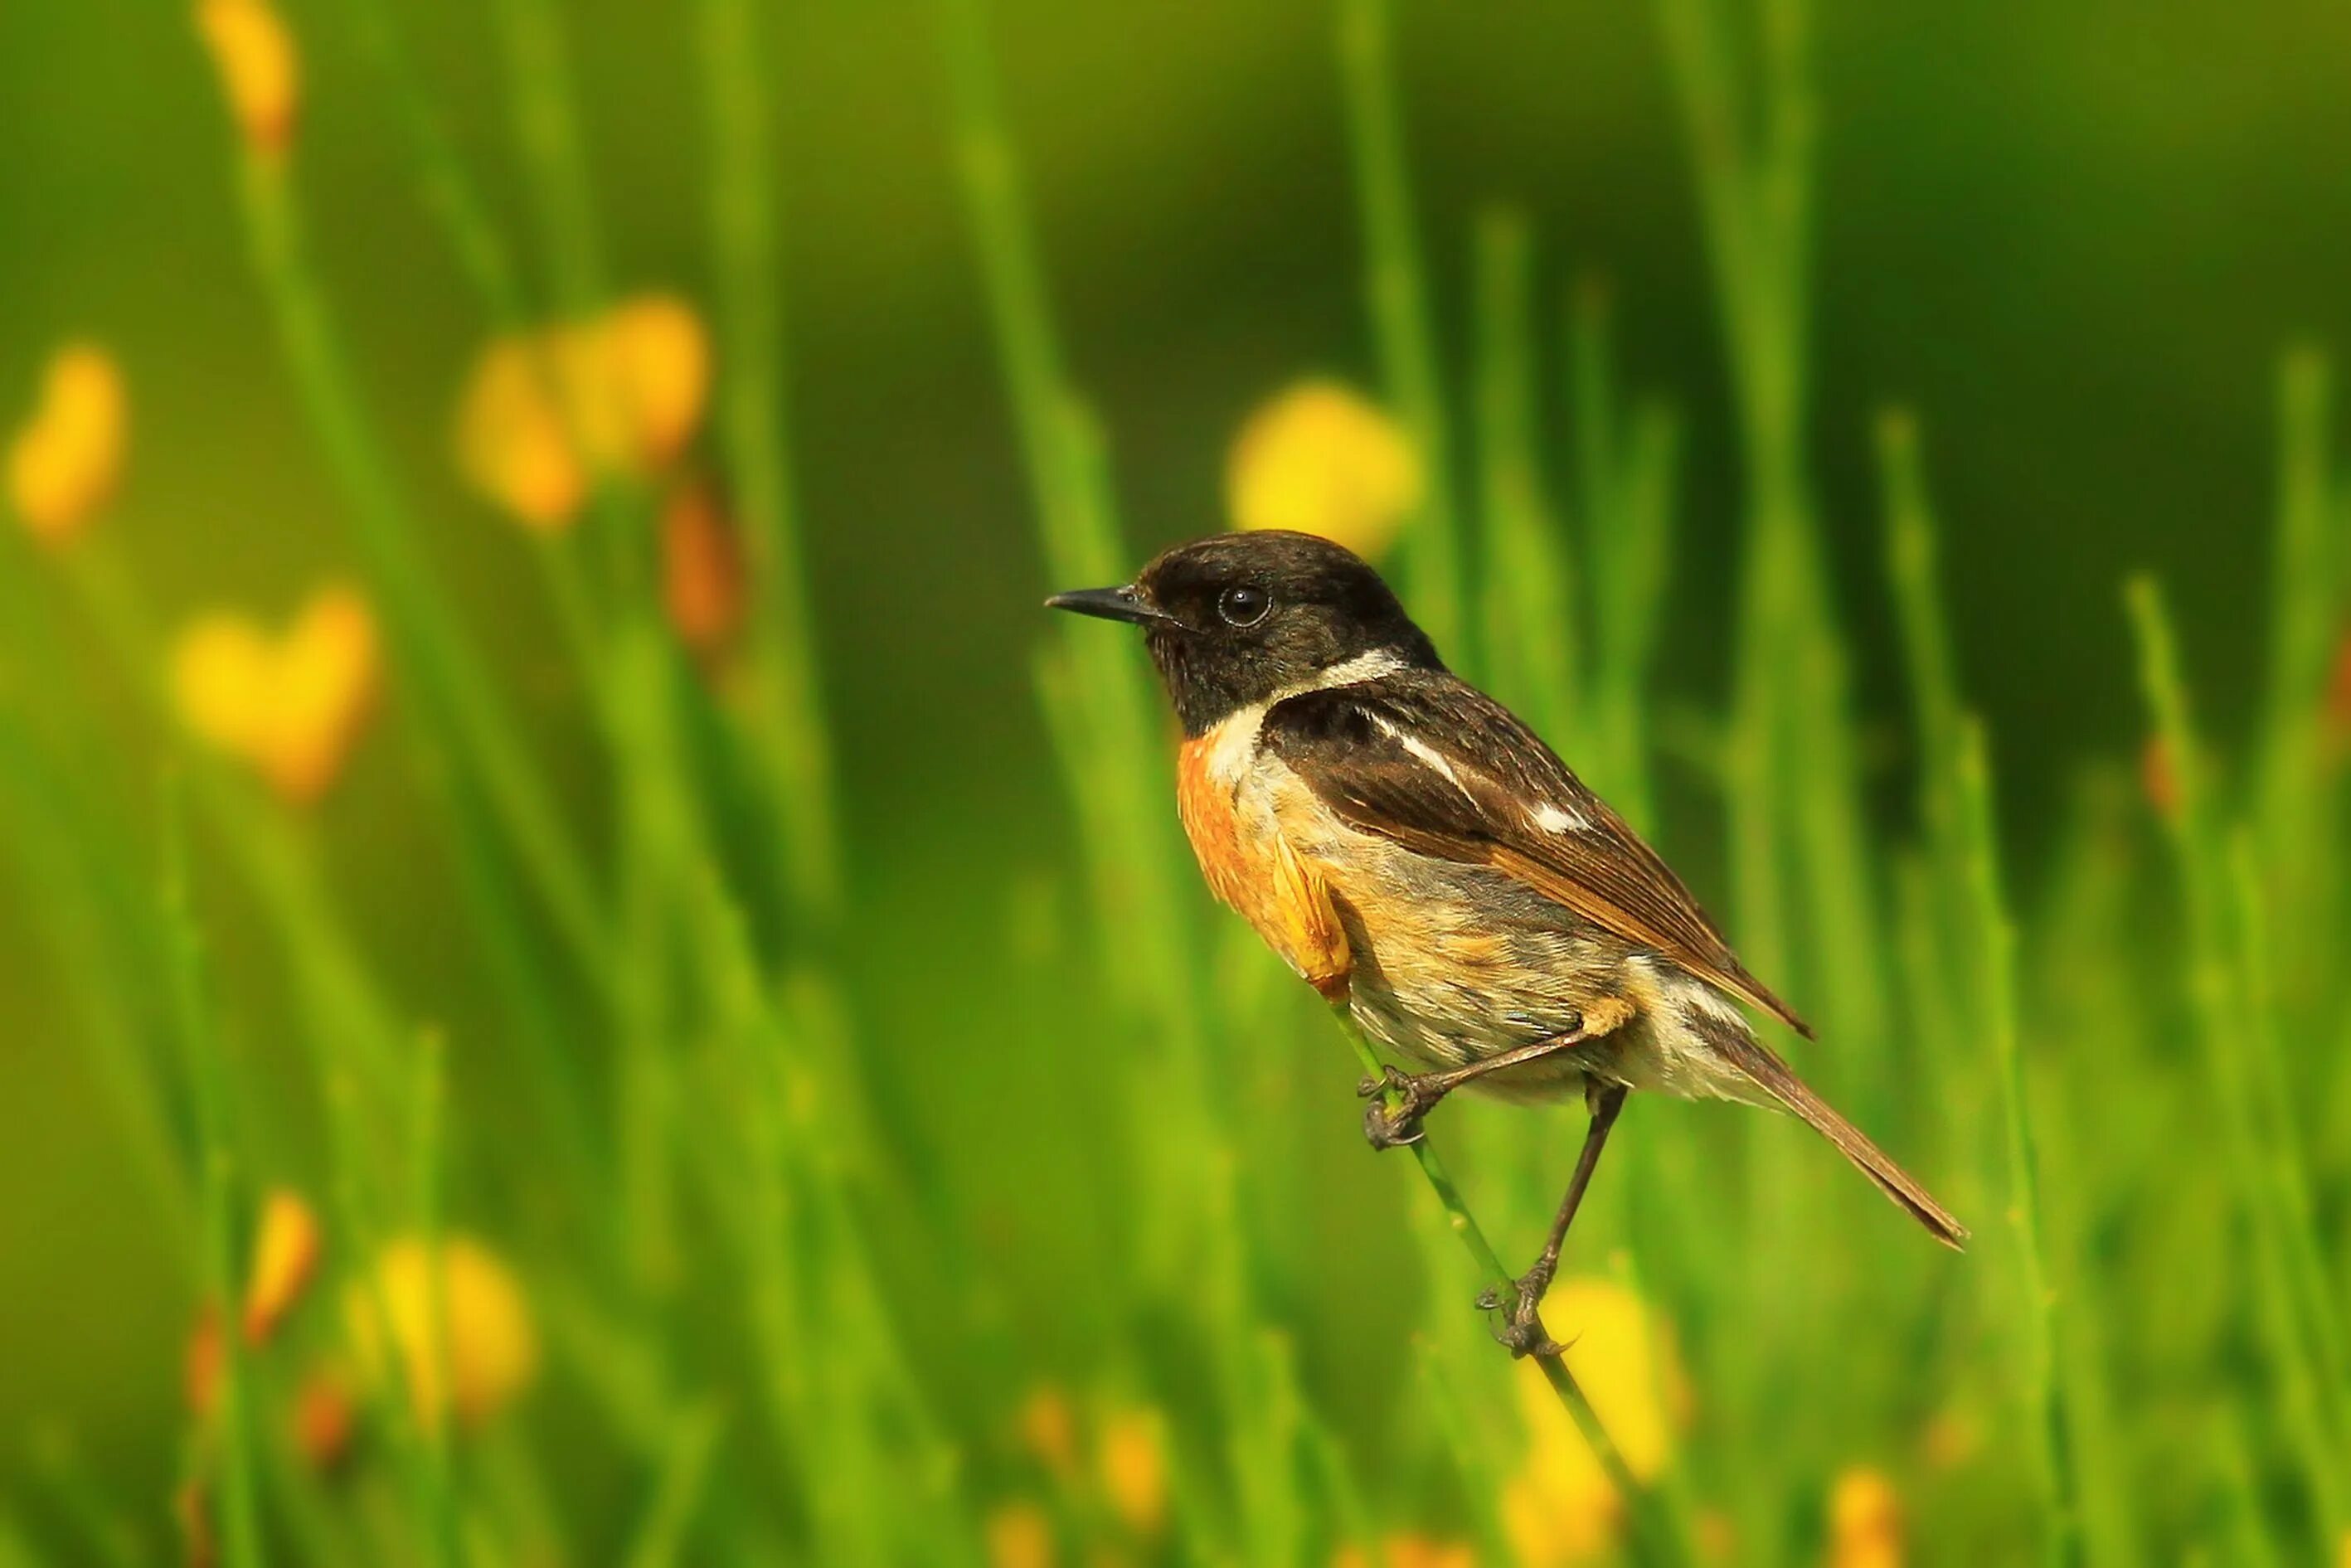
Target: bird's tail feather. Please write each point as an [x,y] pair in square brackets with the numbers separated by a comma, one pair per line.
[1762,1065]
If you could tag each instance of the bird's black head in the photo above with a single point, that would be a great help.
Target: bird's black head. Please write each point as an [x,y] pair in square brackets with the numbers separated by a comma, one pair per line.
[1234,619]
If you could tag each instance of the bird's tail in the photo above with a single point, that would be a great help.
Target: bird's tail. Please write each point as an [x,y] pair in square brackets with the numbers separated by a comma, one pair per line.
[1762,1065]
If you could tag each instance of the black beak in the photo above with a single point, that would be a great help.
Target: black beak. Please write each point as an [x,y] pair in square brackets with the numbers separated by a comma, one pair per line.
[1110,604]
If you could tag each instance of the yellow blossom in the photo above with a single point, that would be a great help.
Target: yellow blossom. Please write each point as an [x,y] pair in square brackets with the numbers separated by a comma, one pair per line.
[1321,459]
[289,707]
[64,461]
[1132,1457]
[284,1255]
[544,414]
[259,69]
[653,367]
[1019,1536]
[1864,1521]
[1560,1508]
[486,1350]
[513,442]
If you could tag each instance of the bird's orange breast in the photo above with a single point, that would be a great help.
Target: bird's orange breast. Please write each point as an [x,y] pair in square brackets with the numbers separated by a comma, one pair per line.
[1251,867]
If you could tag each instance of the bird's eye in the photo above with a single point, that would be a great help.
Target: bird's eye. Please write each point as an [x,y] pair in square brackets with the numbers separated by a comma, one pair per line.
[1242,605]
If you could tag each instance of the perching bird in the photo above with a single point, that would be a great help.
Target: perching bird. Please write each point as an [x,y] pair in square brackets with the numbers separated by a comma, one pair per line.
[1422,858]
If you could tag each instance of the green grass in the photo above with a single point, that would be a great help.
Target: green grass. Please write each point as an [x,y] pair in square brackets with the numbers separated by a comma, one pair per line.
[772,1322]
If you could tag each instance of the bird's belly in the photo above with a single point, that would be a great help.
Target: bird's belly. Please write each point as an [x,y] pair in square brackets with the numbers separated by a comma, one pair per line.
[1453,963]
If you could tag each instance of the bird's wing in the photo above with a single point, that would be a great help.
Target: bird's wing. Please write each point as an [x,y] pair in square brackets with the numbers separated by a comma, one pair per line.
[1436,765]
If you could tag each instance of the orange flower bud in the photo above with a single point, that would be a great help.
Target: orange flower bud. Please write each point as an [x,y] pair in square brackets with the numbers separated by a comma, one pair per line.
[67,458]
[2338,694]
[1049,1428]
[292,707]
[259,71]
[1321,459]
[2159,778]
[324,1421]
[202,1365]
[702,571]
[192,1509]
[285,1257]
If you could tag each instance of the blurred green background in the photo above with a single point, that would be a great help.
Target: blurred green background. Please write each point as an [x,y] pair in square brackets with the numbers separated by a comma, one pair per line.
[2073,238]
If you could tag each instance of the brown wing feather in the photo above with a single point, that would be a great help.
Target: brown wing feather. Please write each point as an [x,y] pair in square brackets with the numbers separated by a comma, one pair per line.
[1366,750]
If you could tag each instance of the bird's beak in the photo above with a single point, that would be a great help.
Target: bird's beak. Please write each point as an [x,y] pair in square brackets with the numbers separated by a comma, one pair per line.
[1111,604]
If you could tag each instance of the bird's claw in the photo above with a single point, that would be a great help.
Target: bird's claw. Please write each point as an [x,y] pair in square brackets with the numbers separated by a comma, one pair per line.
[1521,1331]
[1387,1127]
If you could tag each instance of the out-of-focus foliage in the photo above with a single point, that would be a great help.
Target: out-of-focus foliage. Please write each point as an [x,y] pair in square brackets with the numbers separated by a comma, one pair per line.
[687,1023]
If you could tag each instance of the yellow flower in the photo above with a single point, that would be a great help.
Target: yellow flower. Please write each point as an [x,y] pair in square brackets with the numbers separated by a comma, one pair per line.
[513,444]
[652,366]
[259,69]
[544,414]
[284,1255]
[1320,459]
[1864,1521]
[1560,1508]
[487,1346]
[1019,1536]
[64,461]
[291,708]
[1131,1454]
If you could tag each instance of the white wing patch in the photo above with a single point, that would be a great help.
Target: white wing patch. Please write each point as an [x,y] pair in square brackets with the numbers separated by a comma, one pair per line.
[1553,819]
[1429,754]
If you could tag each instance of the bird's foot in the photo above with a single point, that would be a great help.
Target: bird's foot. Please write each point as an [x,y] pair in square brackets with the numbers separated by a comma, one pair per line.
[1386,1127]
[1521,1329]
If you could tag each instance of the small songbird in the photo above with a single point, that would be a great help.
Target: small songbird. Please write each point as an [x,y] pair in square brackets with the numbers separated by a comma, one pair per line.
[1422,858]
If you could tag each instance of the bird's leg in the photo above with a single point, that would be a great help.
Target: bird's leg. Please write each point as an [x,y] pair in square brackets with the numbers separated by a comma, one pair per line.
[1524,1331]
[1387,1128]
[1419,1091]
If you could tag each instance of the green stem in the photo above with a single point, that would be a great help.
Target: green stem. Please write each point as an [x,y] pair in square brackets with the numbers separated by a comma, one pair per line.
[2215,986]
[192,1004]
[1996,939]
[1533,632]
[1464,1223]
[792,739]
[451,677]
[1434,551]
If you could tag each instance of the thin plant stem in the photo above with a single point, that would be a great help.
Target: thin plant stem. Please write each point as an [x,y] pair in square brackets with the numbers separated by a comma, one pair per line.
[2215,987]
[451,673]
[1996,940]
[1464,1225]
[1434,553]
[1534,634]
[241,1508]
[790,734]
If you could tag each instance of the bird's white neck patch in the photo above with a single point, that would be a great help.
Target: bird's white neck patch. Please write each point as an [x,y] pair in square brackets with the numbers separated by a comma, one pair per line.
[1237,736]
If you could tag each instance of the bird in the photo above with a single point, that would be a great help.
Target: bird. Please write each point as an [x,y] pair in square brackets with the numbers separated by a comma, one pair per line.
[1417,854]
